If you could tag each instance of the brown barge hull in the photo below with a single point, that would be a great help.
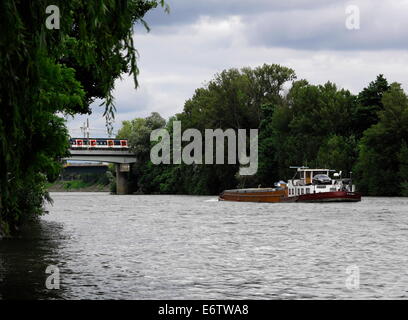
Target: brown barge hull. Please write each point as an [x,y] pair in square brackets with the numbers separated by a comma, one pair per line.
[280,196]
[272,196]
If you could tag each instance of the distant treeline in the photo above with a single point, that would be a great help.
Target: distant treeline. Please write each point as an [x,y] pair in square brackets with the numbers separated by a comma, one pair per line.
[299,124]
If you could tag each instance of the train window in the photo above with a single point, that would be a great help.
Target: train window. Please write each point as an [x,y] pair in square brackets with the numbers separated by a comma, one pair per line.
[110,143]
[79,142]
[117,143]
[93,143]
[123,143]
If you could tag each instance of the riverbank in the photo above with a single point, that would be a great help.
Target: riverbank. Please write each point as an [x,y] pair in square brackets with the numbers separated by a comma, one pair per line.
[77,186]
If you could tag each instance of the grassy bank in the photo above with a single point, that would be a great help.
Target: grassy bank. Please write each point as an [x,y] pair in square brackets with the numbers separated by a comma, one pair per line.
[77,186]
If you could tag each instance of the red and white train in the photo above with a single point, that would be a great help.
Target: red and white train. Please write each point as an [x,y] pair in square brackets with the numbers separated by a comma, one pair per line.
[98,143]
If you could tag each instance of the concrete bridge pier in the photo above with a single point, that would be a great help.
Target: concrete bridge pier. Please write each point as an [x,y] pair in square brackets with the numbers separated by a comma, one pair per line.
[122,159]
[122,184]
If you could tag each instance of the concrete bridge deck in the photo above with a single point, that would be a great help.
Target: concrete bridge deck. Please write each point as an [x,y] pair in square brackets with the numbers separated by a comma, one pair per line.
[111,156]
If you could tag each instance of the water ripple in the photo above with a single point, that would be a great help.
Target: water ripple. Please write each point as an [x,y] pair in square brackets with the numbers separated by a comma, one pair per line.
[182,247]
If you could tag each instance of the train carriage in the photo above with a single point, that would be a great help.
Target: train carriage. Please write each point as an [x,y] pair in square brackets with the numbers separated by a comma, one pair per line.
[98,143]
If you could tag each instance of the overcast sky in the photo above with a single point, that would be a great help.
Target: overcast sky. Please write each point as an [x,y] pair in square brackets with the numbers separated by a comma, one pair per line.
[200,38]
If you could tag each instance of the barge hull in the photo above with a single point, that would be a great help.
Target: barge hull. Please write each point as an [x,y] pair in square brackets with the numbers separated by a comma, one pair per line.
[277,197]
[338,196]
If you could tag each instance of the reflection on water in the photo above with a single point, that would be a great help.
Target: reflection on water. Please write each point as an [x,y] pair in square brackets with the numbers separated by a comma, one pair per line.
[23,262]
[181,247]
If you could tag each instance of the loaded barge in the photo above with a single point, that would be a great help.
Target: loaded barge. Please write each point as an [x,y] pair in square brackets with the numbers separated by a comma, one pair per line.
[308,185]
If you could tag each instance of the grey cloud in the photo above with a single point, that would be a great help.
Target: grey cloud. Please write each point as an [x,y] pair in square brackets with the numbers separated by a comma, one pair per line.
[189,11]
[297,24]
[383,26]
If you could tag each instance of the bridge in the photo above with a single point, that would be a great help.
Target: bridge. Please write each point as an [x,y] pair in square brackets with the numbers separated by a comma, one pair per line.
[122,159]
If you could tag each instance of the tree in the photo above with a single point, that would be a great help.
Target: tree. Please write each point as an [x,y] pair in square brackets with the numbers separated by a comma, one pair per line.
[369,105]
[381,165]
[233,99]
[305,124]
[403,170]
[48,72]
[237,99]
[268,165]
[138,131]
[339,153]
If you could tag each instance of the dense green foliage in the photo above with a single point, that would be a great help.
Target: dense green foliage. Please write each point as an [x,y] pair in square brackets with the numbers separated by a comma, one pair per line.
[45,73]
[383,158]
[98,181]
[312,125]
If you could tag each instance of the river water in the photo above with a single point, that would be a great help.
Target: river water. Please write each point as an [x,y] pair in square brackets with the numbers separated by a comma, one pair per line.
[186,247]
